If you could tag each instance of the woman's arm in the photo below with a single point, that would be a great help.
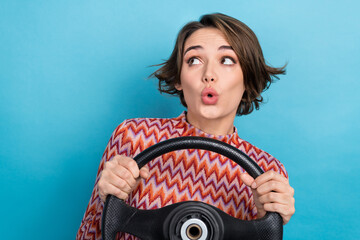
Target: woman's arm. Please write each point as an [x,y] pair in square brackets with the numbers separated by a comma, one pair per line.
[90,227]
[118,177]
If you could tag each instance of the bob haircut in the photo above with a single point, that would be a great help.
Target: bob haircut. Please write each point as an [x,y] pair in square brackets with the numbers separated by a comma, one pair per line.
[258,76]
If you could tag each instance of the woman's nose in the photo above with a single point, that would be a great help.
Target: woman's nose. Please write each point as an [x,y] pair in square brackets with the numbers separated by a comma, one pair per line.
[208,79]
[209,74]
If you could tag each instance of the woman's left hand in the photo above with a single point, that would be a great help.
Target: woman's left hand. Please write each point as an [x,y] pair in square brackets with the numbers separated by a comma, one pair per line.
[272,193]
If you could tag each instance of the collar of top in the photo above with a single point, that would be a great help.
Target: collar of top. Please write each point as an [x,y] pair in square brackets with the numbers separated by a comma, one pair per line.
[186,129]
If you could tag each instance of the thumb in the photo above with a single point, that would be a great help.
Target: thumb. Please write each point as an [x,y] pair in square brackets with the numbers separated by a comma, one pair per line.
[247,179]
[144,172]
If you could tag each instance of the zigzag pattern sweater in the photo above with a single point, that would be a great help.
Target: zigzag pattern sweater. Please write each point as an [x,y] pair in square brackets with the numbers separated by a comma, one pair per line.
[181,175]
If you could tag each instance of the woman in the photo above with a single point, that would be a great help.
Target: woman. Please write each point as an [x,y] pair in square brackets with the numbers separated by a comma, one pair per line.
[218,71]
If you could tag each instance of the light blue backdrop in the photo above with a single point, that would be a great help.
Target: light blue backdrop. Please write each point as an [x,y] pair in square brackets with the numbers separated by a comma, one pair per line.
[71,71]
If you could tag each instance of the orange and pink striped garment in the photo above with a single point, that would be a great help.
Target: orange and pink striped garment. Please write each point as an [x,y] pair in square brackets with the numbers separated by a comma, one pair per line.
[181,175]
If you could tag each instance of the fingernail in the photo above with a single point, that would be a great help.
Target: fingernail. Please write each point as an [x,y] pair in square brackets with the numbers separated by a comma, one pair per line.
[253,185]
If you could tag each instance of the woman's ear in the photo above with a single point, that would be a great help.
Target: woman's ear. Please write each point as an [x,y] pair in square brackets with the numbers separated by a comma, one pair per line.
[178,86]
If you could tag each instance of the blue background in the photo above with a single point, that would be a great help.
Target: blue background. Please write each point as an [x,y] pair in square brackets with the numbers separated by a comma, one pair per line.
[71,71]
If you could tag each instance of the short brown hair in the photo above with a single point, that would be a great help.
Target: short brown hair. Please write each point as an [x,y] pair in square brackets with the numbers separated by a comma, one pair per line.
[257,74]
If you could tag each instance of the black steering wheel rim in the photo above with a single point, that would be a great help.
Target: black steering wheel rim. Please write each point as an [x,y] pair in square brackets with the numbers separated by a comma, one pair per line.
[268,227]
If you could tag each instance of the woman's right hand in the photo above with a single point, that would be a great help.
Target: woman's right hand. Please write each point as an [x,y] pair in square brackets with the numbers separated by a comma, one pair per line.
[120,176]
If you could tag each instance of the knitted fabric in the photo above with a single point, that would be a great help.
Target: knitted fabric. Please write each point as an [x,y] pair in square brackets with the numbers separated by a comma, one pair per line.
[182,175]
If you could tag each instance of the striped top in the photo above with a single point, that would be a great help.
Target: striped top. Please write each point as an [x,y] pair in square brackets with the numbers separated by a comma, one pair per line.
[177,176]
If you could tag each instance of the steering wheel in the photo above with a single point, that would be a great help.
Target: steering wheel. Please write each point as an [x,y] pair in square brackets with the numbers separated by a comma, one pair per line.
[189,220]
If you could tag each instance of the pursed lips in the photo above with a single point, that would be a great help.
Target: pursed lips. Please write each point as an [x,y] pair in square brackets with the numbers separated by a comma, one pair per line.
[209,96]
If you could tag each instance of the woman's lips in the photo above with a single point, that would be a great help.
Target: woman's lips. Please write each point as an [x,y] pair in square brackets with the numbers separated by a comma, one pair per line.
[209,96]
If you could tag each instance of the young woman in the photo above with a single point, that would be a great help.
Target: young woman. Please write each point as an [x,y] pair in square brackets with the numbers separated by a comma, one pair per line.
[218,70]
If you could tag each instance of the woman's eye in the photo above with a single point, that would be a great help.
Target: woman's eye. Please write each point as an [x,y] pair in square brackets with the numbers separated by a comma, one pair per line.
[228,61]
[193,61]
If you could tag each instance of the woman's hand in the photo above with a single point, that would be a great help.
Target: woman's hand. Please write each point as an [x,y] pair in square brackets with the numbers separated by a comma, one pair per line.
[119,177]
[272,193]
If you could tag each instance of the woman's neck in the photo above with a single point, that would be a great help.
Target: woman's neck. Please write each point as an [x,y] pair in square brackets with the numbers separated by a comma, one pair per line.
[216,126]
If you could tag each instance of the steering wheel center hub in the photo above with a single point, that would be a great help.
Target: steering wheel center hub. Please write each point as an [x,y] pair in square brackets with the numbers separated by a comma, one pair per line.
[193,229]
[194,221]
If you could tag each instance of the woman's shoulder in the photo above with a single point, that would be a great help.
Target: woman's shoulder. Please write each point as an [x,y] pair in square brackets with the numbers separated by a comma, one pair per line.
[251,149]
[146,124]
[264,159]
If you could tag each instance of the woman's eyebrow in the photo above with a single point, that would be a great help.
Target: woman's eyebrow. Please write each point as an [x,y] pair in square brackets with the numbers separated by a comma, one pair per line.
[192,47]
[225,47]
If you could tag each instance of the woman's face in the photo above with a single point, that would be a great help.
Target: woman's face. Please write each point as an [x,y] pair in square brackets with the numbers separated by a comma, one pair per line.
[211,77]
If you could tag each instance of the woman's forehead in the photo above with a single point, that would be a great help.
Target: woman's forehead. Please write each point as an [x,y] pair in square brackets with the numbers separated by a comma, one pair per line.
[206,36]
